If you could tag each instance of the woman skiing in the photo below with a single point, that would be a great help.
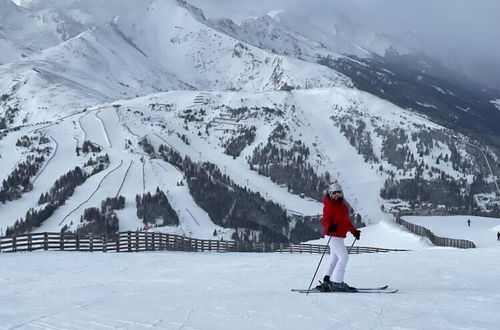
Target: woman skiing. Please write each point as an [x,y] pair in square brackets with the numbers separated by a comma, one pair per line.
[336,224]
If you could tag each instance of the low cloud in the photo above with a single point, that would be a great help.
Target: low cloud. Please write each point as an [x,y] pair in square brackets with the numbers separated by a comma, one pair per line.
[461,33]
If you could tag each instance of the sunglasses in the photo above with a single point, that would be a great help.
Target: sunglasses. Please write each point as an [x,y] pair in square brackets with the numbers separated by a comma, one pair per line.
[334,193]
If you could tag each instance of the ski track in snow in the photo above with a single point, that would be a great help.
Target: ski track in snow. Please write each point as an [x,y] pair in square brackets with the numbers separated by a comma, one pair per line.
[194,220]
[103,128]
[183,223]
[77,142]
[130,131]
[60,163]
[48,160]
[241,174]
[94,130]
[93,193]
[81,126]
[124,178]
[132,186]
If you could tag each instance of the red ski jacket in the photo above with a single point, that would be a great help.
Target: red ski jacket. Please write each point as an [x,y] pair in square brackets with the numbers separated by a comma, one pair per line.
[336,213]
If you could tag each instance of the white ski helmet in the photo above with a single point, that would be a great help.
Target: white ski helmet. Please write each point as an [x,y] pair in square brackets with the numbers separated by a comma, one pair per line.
[334,187]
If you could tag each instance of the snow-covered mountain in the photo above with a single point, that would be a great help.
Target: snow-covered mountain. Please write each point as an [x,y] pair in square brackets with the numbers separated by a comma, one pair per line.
[279,32]
[169,48]
[208,128]
[377,64]
[31,31]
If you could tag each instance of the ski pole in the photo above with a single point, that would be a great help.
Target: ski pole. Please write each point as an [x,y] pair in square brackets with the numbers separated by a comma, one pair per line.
[312,280]
[349,252]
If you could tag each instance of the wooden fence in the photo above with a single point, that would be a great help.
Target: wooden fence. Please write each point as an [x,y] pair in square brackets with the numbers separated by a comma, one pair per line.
[436,240]
[151,241]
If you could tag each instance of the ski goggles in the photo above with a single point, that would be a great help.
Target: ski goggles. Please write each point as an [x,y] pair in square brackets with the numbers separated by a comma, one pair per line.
[336,193]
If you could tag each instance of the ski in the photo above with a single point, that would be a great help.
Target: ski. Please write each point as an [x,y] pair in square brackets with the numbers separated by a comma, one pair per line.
[363,289]
[385,287]
[386,291]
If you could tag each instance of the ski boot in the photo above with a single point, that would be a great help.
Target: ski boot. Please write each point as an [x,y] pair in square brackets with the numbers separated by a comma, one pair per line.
[326,285]
[342,287]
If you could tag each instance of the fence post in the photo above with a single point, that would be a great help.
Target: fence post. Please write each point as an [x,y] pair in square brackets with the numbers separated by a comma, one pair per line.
[146,234]
[152,241]
[14,243]
[45,241]
[61,241]
[129,241]
[104,244]
[91,243]
[77,242]
[30,242]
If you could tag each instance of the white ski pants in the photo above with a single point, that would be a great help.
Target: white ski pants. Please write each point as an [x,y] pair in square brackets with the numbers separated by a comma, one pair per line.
[338,259]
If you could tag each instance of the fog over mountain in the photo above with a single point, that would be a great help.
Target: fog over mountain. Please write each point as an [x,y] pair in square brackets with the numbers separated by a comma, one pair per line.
[460,33]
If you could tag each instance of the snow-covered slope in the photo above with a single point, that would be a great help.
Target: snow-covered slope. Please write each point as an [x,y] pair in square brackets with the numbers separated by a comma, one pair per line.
[482,231]
[97,65]
[10,50]
[439,289]
[31,31]
[214,60]
[199,125]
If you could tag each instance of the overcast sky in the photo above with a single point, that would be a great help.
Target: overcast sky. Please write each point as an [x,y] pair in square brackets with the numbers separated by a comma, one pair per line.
[465,33]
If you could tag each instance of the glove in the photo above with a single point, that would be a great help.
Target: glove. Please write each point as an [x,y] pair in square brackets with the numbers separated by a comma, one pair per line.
[357,234]
[332,228]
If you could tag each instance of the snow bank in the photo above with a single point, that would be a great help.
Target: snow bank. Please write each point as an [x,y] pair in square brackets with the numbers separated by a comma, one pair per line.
[385,234]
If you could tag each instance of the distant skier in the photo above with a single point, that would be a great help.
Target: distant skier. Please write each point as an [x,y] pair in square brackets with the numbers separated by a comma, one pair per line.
[498,236]
[336,223]
[468,222]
